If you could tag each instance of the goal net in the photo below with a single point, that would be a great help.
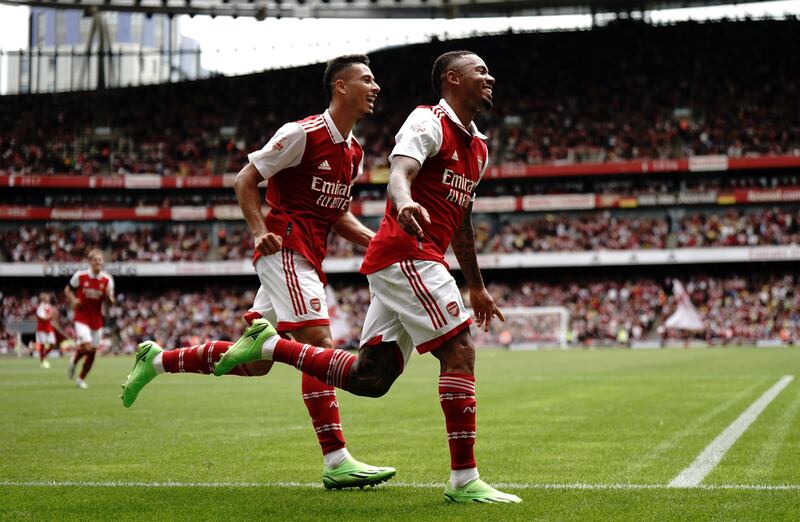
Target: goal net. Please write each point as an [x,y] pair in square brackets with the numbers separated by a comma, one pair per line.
[526,328]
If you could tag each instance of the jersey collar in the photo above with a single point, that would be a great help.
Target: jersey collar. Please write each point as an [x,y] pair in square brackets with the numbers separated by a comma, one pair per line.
[472,131]
[336,136]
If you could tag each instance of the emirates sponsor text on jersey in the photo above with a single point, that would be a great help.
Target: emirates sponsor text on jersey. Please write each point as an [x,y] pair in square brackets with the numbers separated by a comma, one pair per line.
[333,194]
[461,187]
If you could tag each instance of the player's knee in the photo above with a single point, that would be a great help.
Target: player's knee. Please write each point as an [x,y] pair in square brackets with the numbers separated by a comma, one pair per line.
[377,388]
[371,382]
[457,355]
[315,336]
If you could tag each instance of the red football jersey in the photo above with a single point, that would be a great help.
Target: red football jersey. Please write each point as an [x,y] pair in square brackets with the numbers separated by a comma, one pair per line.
[91,290]
[453,160]
[311,169]
[44,314]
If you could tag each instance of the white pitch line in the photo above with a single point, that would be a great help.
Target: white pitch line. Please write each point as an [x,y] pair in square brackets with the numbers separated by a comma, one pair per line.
[694,474]
[397,485]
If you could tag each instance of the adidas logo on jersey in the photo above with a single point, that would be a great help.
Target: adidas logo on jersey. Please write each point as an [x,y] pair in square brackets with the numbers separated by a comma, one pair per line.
[455,156]
[324,165]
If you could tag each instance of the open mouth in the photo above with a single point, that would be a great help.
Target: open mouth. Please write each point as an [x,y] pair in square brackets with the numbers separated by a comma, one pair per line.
[487,91]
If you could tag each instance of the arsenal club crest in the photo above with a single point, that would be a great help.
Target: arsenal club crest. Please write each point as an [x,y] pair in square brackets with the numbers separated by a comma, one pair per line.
[315,304]
[452,308]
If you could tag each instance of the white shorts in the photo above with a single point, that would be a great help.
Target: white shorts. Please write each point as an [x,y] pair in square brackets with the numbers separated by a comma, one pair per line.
[86,335]
[46,338]
[416,304]
[291,295]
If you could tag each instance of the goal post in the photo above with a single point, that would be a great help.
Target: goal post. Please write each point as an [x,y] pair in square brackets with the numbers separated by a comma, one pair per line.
[526,328]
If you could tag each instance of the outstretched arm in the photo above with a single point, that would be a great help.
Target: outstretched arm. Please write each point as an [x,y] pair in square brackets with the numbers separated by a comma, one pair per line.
[411,216]
[350,228]
[246,186]
[463,242]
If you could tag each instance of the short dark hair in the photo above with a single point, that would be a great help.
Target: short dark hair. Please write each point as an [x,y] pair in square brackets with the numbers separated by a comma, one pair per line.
[442,65]
[336,66]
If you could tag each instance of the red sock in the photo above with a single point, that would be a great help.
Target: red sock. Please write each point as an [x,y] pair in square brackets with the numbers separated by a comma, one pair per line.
[329,366]
[199,358]
[457,397]
[40,349]
[87,364]
[323,408]
[44,351]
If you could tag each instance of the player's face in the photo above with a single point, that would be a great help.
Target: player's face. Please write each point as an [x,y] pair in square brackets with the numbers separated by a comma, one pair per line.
[476,81]
[96,262]
[361,89]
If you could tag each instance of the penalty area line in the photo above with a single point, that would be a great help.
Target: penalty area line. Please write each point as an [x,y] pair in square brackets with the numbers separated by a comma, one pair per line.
[394,485]
[712,455]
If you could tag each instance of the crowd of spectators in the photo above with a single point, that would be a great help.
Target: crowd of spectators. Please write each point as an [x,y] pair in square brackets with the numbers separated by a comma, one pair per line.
[766,227]
[734,309]
[623,230]
[494,234]
[577,96]
[57,242]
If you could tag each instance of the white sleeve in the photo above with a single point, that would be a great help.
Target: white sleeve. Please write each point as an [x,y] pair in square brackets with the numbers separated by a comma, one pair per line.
[110,287]
[40,313]
[420,137]
[284,150]
[75,280]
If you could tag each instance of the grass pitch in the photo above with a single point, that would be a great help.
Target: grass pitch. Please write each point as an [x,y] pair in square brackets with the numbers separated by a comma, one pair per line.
[579,435]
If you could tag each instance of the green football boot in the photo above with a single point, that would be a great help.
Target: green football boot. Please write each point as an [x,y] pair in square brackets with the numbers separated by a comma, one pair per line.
[479,491]
[247,349]
[354,474]
[142,373]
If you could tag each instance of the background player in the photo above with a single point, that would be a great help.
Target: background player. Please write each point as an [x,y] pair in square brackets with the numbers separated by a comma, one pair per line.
[45,333]
[92,288]
[438,160]
[310,165]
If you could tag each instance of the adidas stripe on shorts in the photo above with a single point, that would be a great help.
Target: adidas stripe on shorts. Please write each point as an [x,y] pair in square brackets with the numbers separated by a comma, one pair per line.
[415,303]
[291,294]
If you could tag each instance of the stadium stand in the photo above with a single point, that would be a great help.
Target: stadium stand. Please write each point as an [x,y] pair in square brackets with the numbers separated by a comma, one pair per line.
[599,148]
[584,96]
[737,308]
[494,233]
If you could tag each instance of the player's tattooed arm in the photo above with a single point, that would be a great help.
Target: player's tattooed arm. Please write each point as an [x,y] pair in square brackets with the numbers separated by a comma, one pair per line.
[246,186]
[463,242]
[411,216]
[349,227]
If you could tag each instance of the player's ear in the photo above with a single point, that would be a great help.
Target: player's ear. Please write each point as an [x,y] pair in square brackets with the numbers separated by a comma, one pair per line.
[339,86]
[453,77]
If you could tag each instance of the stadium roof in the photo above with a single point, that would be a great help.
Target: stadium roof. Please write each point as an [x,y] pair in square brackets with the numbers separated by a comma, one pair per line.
[261,9]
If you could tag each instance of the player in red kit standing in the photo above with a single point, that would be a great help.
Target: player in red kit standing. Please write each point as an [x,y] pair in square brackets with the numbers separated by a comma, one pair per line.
[311,165]
[87,291]
[438,160]
[45,333]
